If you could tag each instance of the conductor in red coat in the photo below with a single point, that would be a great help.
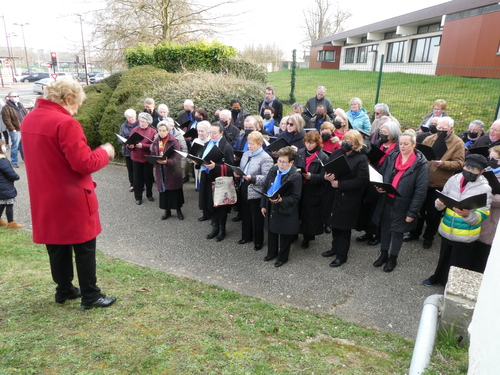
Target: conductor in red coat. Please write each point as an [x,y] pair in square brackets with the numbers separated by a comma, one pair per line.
[64,207]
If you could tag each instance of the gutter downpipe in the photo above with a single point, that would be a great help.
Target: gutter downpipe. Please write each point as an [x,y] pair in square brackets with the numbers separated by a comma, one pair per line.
[424,344]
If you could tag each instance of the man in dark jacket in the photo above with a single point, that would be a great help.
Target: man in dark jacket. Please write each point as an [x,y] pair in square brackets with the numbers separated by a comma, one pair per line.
[231,132]
[491,139]
[149,107]
[271,101]
[238,114]
[315,102]
[186,117]
[13,113]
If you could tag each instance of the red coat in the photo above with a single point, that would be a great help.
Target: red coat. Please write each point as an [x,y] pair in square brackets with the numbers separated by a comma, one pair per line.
[59,163]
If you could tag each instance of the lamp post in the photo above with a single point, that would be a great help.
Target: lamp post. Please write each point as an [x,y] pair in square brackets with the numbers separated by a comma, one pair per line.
[83,46]
[25,50]
[12,67]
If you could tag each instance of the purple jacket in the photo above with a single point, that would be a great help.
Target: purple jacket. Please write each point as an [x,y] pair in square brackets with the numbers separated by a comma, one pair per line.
[171,173]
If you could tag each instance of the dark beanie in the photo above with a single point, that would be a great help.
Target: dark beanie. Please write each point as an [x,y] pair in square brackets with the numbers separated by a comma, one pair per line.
[476,161]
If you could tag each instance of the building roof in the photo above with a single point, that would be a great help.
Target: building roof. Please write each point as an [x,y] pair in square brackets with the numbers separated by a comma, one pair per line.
[421,17]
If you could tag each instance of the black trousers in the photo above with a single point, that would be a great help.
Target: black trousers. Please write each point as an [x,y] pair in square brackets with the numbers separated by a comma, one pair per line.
[428,215]
[252,221]
[341,241]
[481,252]
[388,237]
[278,246]
[9,211]
[130,169]
[452,253]
[143,175]
[61,266]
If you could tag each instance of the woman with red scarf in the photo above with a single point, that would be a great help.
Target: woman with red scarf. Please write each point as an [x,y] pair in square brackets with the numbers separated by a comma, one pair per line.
[407,171]
[313,186]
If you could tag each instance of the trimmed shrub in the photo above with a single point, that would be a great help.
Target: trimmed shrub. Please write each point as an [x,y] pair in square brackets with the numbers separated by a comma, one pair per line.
[245,69]
[113,80]
[91,112]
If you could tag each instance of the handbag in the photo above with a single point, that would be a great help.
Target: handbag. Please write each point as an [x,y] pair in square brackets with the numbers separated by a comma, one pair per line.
[223,189]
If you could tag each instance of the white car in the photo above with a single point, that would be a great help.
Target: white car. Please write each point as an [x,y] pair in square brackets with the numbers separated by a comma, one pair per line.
[39,86]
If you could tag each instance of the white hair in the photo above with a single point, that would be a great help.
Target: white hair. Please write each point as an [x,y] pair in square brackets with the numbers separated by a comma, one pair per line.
[163,106]
[189,102]
[130,112]
[448,119]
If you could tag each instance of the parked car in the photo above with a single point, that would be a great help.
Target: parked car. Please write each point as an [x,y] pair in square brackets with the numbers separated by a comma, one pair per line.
[35,77]
[79,76]
[39,86]
[98,77]
[63,74]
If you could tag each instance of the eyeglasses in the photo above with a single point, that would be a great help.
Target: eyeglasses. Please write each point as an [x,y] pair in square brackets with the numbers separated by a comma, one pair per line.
[378,113]
[14,96]
[283,162]
[214,133]
[290,123]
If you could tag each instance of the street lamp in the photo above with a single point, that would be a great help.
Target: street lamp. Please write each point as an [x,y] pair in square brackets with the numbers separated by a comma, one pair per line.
[84,56]
[12,66]
[25,50]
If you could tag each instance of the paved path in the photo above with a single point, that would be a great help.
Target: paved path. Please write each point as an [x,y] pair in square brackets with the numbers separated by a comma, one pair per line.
[356,292]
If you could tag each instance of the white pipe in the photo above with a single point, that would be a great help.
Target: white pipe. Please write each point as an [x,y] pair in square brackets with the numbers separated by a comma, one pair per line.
[424,344]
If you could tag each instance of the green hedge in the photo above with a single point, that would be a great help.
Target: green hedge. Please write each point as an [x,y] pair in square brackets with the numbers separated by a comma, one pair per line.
[91,112]
[194,56]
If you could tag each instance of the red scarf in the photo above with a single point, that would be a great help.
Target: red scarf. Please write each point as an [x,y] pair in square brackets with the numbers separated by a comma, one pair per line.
[387,152]
[401,168]
[309,160]
[161,145]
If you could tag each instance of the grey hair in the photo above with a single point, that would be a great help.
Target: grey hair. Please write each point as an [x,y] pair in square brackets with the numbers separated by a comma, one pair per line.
[477,123]
[383,119]
[163,106]
[323,88]
[252,119]
[165,123]
[130,112]
[146,116]
[189,102]
[297,105]
[149,101]
[393,130]
[450,121]
[271,88]
[204,124]
[356,100]
[382,107]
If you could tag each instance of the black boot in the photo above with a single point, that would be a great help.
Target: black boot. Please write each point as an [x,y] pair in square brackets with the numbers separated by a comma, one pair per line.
[222,234]
[382,259]
[391,263]
[215,229]
[166,215]
[305,242]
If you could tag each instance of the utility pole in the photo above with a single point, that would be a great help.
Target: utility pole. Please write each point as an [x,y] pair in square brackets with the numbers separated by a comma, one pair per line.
[83,46]
[25,50]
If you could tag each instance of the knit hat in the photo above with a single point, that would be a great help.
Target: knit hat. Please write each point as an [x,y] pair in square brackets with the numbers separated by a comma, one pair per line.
[476,161]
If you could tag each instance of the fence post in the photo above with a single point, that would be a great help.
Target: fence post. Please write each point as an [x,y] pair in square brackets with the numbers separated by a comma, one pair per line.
[379,78]
[497,114]
[292,82]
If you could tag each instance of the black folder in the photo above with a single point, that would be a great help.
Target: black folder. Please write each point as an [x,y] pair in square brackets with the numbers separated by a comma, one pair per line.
[191,133]
[439,147]
[236,169]
[427,151]
[282,190]
[238,153]
[375,154]
[278,144]
[484,150]
[389,189]
[166,154]
[469,203]
[493,181]
[132,140]
[196,149]
[338,167]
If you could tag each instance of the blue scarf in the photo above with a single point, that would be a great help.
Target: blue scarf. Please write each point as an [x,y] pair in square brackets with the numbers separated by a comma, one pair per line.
[210,146]
[250,156]
[496,170]
[277,181]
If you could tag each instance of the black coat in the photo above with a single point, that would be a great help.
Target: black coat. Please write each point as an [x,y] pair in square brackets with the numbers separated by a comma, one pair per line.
[231,133]
[7,178]
[205,199]
[283,218]
[313,192]
[348,196]
[295,139]
[413,189]
[278,110]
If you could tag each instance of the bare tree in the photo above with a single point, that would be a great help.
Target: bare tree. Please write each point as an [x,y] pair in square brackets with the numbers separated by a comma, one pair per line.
[323,19]
[263,55]
[125,23]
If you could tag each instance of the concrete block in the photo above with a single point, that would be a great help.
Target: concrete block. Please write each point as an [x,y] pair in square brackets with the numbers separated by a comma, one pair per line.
[460,298]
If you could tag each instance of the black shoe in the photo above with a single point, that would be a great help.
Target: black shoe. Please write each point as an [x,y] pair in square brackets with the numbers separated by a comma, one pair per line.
[364,237]
[213,233]
[337,263]
[328,229]
[151,199]
[382,259]
[257,247]
[242,241]
[236,218]
[185,179]
[427,244]
[278,264]
[203,218]
[268,258]
[101,302]
[329,253]
[138,202]
[166,215]
[374,241]
[221,235]
[305,243]
[180,215]
[74,295]
[391,263]
[409,237]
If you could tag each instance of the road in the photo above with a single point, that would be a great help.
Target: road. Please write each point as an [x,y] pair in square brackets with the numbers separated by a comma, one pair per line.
[356,291]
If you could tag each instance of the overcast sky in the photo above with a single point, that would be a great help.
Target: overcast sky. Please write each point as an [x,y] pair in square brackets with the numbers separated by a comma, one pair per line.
[54,25]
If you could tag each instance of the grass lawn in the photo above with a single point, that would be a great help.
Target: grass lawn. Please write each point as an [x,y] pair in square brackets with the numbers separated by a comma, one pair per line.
[162,324]
[409,96]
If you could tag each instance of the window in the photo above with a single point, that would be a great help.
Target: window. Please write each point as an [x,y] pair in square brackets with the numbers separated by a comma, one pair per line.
[372,48]
[390,35]
[349,55]
[361,55]
[396,52]
[429,28]
[423,49]
[326,56]
[364,40]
